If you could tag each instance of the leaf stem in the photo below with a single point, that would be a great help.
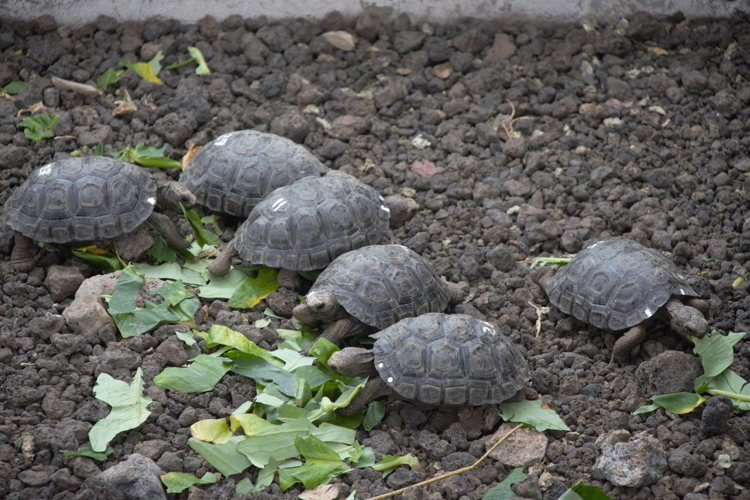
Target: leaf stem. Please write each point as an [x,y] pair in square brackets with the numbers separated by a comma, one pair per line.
[451,473]
[733,395]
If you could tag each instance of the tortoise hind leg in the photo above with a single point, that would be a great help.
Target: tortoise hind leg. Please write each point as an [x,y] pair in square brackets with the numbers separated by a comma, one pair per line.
[457,292]
[374,388]
[627,342]
[164,226]
[22,255]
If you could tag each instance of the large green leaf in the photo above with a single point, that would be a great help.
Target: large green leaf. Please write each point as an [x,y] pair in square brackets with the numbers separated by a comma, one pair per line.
[16,87]
[532,413]
[221,335]
[260,283]
[223,287]
[126,290]
[391,462]
[678,402]
[200,376]
[373,416]
[273,441]
[128,408]
[716,351]
[177,482]
[729,384]
[321,462]
[86,451]
[169,271]
[583,491]
[502,491]
[223,457]
[202,235]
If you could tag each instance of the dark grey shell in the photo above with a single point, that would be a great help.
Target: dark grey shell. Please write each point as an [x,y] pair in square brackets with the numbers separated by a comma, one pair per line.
[304,226]
[616,284]
[382,284]
[232,173]
[84,199]
[449,359]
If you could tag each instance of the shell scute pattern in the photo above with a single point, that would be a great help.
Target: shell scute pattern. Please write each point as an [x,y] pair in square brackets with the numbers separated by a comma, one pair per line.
[616,284]
[382,284]
[235,171]
[425,359]
[81,200]
[294,228]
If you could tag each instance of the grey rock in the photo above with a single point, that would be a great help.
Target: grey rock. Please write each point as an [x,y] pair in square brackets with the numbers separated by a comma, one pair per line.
[87,316]
[63,281]
[716,415]
[174,350]
[99,134]
[136,478]
[282,301]
[407,41]
[685,463]
[153,448]
[502,48]
[381,442]
[175,128]
[116,356]
[34,477]
[68,343]
[292,125]
[170,461]
[668,372]
[633,463]
[457,460]
[521,449]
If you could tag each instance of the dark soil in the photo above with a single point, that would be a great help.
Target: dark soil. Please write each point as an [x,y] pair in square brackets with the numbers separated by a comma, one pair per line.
[639,132]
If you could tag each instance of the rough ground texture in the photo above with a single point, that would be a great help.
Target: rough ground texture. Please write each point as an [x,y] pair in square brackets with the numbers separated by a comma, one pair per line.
[619,139]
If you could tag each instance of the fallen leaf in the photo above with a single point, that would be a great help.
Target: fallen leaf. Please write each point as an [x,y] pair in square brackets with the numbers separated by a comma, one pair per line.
[193,150]
[443,70]
[322,492]
[342,40]
[124,107]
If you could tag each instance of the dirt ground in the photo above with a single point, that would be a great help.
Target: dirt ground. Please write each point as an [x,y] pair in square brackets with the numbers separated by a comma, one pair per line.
[637,129]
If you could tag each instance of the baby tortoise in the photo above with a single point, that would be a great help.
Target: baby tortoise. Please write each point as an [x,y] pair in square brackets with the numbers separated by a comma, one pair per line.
[374,287]
[619,284]
[89,199]
[235,171]
[436,359]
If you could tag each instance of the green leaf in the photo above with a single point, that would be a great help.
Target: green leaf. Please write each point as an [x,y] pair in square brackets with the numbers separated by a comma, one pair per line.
[106,261]
[321,462]
[176,482]
[147,318]
[646,409]
[293,359]
[148,71]
[312,374]
[255,288]
[173,292]
[352,495]
[583,491]
[169,271]
[223,457]
[147,156]
[197,55]
[160,251]
[262,370]
[502,491]
[223,287]
[716,351]
[126,290]
[211,430]
[391,462]
[86,451]
[262,323]
[729,384]
[128,408]
[532,413]
[16,87]
[39,127]
[678,402]
[373,416]
[264,442]
[109,77]
[222,335]
[297,339]
[186,337]
[322,349]
[202,235]
[200,376]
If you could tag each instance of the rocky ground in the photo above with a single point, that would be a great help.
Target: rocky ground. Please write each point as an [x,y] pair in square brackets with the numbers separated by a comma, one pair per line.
[638,129]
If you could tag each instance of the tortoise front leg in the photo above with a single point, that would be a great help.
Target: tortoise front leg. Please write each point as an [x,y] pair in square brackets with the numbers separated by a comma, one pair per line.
[456,291]
[342,329]
[627,342]
[220,265]
[22,255]
[373,389]
[164,226]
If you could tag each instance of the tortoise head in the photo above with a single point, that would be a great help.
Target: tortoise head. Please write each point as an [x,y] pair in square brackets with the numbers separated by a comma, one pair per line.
[318,306]
[353,362]
[542,276]
[171,194]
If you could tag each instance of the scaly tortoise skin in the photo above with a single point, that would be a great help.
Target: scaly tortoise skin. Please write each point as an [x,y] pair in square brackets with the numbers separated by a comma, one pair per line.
[619,284]
[88,199]
[235,171]
[440,359]
[306,225]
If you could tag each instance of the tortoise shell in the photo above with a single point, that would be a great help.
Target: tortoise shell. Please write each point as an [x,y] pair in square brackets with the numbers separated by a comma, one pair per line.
[232,173]
[382,284]
[306,225]
[616,284]
[90,198]
[449,359]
